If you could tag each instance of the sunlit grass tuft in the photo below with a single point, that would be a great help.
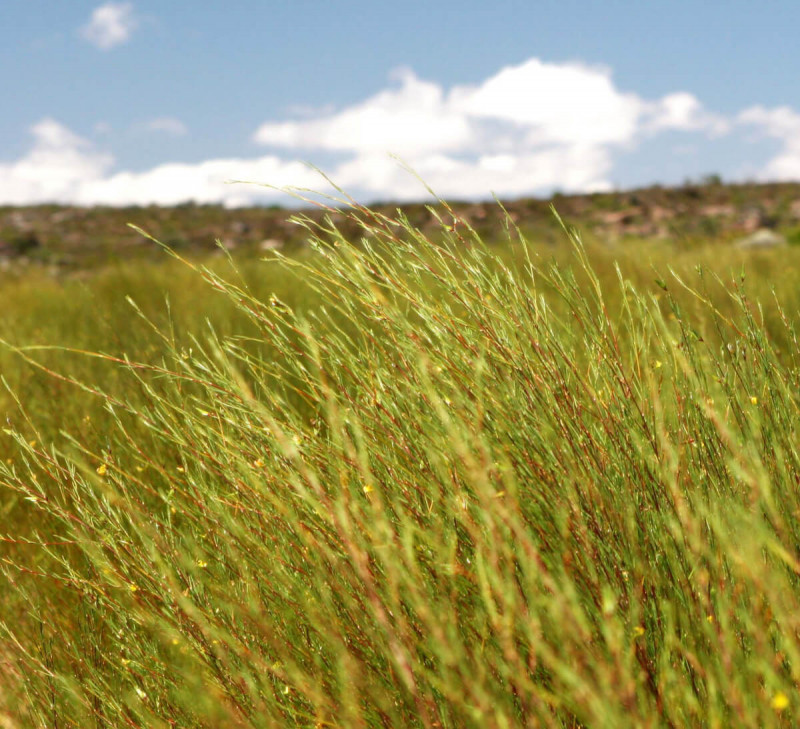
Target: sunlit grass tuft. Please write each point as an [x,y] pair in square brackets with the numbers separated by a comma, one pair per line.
[448,485]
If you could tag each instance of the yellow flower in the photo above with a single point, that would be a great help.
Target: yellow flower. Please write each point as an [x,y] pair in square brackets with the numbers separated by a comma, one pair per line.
[201,564]
[368,489]
[638,631]
[101,469]
[710,618]
[132,587]
[780,701]
[754,400]
[258,463]
[181,469]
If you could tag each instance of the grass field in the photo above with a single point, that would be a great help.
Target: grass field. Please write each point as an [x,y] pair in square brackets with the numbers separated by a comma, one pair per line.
[404,481]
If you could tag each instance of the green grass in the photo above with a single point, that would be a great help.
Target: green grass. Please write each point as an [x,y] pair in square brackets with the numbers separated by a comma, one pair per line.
[397,482]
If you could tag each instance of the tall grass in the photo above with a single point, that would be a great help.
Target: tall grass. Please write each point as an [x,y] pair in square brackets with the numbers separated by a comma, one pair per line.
[456,487]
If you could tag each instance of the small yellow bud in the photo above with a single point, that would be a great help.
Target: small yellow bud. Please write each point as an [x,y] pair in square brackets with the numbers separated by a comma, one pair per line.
[780,701]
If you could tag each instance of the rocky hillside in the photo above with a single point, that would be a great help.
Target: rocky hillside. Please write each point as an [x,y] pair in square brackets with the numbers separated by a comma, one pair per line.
[70,238]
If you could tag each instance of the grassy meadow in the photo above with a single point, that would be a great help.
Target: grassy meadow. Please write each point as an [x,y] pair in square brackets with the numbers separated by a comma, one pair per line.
[398,479]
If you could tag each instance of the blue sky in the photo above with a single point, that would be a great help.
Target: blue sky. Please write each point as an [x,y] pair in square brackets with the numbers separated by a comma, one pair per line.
[151,102]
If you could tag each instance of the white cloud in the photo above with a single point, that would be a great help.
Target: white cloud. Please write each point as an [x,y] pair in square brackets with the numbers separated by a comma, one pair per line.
[525,130]
[110,25]
[556,103]
[203,182]
[410,120]
[532,104]
[58,164]
[168,125]
[62,167]
[566,168]
[684,112]
[780,123]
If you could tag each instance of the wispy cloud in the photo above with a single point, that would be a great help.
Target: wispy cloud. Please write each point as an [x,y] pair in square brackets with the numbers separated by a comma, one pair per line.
[110,25]
[168,125]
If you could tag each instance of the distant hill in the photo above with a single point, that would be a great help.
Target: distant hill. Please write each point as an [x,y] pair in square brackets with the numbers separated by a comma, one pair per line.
[70,238]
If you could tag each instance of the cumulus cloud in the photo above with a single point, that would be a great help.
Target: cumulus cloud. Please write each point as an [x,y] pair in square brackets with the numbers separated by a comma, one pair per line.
[168,125]
[528,129]
[110,25]
[557,103]
[566,168]
[684,112]
[783,124]
[64,168]
[410,120]
[513,133]
[58,164]
[203,182]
